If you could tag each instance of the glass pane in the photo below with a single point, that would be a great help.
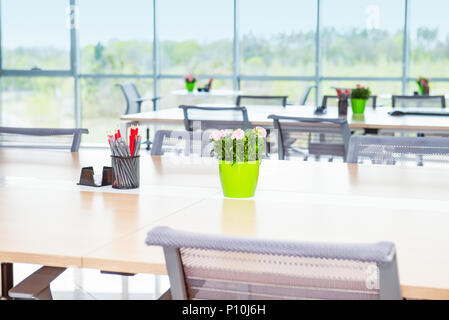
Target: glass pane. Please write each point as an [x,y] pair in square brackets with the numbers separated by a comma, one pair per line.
[362,38]
[37,102]
[196,36]
[170,99]
[429,48]
[382,89]
[104,103]
[277,37]
[35,34]
[293,89]
[116,37]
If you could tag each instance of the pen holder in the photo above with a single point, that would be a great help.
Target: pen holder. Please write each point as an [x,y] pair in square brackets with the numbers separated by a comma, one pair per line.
[126,172]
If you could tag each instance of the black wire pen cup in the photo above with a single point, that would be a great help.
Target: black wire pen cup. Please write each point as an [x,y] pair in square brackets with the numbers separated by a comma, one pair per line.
[125,172]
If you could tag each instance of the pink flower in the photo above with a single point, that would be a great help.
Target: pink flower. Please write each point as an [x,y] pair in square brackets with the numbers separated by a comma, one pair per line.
[217,135]
[261,132]
[238,134]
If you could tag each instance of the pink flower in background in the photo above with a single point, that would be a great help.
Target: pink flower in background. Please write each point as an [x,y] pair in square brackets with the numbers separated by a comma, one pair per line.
[238,134]
[217,135]
[261,132]
[189,78]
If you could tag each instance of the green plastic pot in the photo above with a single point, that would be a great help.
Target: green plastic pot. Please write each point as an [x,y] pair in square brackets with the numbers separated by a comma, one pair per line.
[358,106]
[190,86]
[239,180]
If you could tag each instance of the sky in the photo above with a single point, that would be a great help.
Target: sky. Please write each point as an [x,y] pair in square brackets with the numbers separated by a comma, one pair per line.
[44,22]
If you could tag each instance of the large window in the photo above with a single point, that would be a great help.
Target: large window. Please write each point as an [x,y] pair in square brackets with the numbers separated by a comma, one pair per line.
[116,36]
[277,37]
[35,34]
[37,102]
[362,38]
[429,34]
[196,36]
[61,60]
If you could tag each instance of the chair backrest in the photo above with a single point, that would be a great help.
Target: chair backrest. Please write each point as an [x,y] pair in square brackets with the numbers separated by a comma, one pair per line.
[332,101]
[220,267]
[428,151]
[180,143]
[215,117]
[303,100]
[418,101]
[132,96]
[305,137]
[261,100]
[45,132]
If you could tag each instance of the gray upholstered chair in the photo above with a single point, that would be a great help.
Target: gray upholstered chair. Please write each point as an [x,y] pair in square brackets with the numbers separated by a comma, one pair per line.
[245,100]
[181,143]
[134,104]
[215,117]
[305,137]
[45,132]
[418,102]
[399,150]
[204,266]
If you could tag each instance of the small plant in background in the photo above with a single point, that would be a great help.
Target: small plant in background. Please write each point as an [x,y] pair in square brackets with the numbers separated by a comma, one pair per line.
[239,145]
[361,92]
[190,79]
[423,85]
[343,94]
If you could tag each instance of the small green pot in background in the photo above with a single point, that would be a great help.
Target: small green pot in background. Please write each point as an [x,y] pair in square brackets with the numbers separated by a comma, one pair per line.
[239,180]
[358,106]
[190,86]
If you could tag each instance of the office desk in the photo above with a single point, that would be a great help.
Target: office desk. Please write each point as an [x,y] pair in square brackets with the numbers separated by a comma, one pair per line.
[371,119]
[53,222]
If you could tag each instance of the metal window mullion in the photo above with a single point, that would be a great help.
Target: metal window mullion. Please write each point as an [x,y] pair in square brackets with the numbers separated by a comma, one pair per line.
[156,62]
[318,54]
[75,63]
[406,48]
[236,48]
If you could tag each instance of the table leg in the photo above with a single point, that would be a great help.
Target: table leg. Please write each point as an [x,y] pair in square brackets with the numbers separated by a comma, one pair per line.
[7,279]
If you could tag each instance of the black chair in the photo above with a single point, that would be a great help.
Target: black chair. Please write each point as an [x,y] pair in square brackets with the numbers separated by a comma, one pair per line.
[311,136]
[215,117]
[418,102]
[45,132]
[261,100]
[134,103]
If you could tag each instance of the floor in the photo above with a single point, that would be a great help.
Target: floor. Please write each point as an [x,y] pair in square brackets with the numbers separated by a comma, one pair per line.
[87,284]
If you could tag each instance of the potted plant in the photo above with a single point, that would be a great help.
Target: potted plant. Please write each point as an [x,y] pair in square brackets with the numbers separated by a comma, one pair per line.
[190,82]
[359,96]
[423,86]
[239,154]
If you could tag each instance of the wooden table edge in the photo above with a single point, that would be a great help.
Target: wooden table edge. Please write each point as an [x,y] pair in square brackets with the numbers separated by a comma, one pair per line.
[50,260]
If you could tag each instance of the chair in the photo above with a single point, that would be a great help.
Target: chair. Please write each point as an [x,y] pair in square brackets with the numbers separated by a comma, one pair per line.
[332,101]
[46,132]
[305,95]
[261,100]
[215,117]
[134,104]
[204,266]
[184,143]
[418,101]
[404,150]
[311,136]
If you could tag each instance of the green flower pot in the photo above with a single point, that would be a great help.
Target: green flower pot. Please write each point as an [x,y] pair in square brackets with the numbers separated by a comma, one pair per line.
[239,180]
[358,106]
[190,86]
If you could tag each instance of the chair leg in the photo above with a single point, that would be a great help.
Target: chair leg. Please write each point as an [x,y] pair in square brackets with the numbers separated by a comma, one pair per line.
[148,138]
[7,279]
